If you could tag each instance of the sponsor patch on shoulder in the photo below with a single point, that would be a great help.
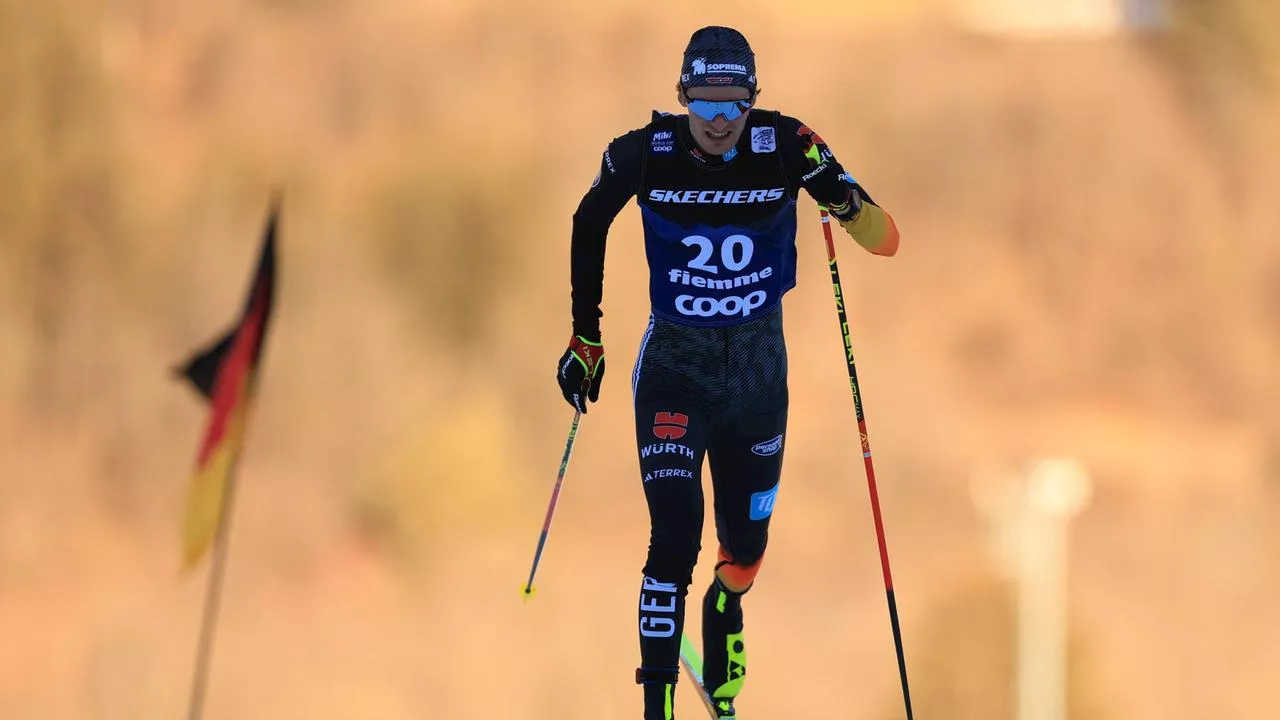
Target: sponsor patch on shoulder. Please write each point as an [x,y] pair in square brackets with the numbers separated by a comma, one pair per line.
[763,140]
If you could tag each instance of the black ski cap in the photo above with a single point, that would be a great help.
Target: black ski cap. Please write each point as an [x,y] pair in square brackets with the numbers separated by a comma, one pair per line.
[718,56]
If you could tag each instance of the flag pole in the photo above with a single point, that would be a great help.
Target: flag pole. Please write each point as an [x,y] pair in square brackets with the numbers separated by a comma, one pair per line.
[225,375]
[212,603]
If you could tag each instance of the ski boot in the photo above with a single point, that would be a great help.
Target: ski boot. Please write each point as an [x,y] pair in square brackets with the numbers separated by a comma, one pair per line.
[725,663]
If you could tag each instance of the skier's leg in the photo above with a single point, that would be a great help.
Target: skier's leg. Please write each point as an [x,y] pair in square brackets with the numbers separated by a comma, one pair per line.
[671,435]
[746,465]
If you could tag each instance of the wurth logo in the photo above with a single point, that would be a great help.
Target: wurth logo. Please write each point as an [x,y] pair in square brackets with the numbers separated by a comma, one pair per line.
[667,449]
[670,425]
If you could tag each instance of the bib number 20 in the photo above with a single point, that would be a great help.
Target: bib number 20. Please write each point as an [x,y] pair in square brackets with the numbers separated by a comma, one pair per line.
[735,252]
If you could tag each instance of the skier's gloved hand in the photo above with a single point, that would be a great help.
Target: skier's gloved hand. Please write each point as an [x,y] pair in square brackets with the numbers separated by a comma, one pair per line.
[580,372]
[848,209]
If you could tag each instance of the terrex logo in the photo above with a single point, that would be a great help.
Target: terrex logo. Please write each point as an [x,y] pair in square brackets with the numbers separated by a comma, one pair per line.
[684,473]
[670,425]
[716,197]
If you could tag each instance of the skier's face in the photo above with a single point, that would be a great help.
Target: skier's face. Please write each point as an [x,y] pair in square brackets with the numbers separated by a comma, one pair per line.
[716,136]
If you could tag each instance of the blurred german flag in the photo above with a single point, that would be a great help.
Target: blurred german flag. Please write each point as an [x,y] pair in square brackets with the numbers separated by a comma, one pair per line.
[225,374]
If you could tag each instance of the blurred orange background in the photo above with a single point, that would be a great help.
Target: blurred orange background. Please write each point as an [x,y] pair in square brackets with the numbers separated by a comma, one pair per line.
[1090,269]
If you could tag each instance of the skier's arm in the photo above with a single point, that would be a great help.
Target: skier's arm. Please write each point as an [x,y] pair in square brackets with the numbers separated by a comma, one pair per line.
[618,180]
[811,164]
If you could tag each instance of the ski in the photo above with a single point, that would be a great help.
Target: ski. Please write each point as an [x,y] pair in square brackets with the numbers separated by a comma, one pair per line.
[692,662]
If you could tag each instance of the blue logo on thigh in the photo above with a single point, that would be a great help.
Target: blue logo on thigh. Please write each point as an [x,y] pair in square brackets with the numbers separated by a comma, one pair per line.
[768,447]
[762,503]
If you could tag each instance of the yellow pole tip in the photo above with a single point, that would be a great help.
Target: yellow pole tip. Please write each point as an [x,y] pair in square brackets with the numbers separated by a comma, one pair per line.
[526,592]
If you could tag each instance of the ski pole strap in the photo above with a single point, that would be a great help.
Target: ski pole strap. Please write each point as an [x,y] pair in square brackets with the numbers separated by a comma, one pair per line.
[649,676]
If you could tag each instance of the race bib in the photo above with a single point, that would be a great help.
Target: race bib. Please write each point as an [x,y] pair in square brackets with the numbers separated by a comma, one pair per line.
[722,275]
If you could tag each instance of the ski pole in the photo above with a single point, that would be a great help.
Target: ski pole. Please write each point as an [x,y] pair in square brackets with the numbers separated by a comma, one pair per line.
[866,458]
[527,590]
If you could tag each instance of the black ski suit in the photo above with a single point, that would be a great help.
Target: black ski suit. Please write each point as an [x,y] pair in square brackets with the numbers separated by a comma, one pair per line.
[710,378]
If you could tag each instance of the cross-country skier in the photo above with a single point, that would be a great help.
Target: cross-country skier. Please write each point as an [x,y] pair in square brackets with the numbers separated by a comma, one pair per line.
[717,193]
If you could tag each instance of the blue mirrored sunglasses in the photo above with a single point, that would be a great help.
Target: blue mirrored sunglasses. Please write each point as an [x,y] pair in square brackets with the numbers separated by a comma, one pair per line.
[709,109]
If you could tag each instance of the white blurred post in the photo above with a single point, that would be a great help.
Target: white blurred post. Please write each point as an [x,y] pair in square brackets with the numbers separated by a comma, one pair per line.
[1029,522]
